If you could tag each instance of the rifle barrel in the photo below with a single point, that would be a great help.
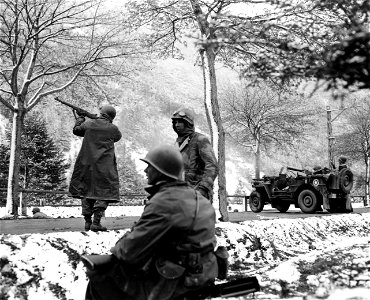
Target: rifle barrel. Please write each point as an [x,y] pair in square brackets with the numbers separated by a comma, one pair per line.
[78,109]
[294,169]
[236,287]
[68,104]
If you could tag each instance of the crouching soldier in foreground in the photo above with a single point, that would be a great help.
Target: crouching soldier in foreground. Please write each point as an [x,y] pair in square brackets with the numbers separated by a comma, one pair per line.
[170,250]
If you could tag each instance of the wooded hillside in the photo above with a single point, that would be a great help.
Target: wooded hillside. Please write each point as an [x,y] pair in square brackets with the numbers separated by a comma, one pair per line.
[134,68]
[146,102]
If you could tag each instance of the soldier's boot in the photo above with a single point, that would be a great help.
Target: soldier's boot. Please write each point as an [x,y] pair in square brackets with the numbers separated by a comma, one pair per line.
[88,222]
[348,204]
[96,226]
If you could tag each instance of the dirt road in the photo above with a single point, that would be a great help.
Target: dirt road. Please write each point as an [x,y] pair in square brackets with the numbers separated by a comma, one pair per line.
[24,226]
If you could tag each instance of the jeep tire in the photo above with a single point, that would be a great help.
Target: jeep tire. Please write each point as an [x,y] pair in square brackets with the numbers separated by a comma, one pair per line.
[307,201]
[256,203]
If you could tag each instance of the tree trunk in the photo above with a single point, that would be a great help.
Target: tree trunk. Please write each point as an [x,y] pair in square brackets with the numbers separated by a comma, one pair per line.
[23,198]
[367,181]
[257,154]
[216,128]
[12,200]
[208,54]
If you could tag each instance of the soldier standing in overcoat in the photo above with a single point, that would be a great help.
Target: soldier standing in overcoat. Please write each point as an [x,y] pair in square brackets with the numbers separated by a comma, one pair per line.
[95,177]
[201,167]
[170,250]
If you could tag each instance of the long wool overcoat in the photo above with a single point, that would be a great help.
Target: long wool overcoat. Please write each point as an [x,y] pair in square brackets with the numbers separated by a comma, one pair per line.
[95,174]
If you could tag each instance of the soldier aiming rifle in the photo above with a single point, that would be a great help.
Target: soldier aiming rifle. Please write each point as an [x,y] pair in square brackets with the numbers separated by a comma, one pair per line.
[95,177]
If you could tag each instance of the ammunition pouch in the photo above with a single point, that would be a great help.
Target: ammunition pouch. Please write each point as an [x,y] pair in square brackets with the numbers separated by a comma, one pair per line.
[170,274]
[201,270]
[168,269]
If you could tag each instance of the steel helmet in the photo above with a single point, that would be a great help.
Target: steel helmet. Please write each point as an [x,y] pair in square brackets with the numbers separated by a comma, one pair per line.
[342,160]
[109,111]
[167,160]
[184,114]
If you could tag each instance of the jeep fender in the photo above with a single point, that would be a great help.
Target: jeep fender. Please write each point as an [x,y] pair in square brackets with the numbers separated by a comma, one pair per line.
[264,192]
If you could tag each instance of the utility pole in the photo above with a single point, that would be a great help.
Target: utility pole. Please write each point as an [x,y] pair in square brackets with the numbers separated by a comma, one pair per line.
[330,139]
[257,158]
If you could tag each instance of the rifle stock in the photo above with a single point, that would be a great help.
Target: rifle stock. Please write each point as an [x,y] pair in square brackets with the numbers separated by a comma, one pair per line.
[80,111]
[96,262]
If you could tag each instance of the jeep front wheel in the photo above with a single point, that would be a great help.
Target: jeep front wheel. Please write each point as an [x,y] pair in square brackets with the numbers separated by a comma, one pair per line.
[307,201]
[282,207]
[256,203]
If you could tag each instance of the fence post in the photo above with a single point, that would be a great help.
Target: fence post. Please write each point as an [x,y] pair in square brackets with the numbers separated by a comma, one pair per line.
[246,202]
[20,197]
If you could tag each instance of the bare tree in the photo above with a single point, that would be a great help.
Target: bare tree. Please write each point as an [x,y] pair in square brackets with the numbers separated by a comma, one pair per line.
[327,40]
[45,47]
[255,44]
[170,23]
[264,117]
[355,144]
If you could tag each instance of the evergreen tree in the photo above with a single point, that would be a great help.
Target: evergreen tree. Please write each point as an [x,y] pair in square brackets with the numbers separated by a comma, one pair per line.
[130,181]
[4,165]
[43,166]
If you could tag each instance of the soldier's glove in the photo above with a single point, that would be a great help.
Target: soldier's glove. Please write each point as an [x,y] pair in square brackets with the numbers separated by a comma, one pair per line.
[78,114]
[203,191]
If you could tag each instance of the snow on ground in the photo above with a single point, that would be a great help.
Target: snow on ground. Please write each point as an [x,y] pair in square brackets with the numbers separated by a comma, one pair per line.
[326,257]
[118,210]
[75,211]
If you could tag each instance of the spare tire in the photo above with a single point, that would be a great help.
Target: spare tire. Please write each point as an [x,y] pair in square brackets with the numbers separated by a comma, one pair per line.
[345,177]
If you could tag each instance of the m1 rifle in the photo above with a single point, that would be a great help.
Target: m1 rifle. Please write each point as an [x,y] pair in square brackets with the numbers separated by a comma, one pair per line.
[79,111]
[233,288]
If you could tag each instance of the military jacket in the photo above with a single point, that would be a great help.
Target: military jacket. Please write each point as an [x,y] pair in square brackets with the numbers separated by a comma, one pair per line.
[201,167]
[177,223]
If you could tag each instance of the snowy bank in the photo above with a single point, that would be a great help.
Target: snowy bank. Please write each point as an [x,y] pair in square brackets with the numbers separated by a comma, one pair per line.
[309,258]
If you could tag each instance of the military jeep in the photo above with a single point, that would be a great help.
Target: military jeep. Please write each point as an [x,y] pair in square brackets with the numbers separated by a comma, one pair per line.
[310,191]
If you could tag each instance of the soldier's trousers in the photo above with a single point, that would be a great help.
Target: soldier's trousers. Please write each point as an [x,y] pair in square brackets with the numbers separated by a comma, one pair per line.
[89,206]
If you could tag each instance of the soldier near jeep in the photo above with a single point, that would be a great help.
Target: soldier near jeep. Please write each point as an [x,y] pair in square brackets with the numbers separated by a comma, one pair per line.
[38,214]
[342,163]
[201,167]
[343,170]
[170,250]
[95,177]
